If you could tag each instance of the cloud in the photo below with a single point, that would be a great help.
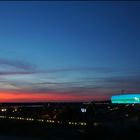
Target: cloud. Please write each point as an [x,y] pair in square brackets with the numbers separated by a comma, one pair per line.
[104,81]
[16,67]
[82,69]
[130,83]
[16,73]
[17,64]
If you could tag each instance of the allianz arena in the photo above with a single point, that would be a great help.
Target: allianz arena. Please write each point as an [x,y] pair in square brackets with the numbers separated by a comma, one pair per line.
[126,99]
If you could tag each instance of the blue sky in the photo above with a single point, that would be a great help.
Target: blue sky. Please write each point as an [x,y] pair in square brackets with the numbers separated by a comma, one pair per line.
[89,50]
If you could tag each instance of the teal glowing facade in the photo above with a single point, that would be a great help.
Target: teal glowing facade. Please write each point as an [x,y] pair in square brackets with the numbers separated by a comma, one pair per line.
[126,99]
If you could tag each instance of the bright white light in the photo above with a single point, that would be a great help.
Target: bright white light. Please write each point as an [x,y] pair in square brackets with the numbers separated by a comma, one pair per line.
[3,110]
[136,98]
[83,110]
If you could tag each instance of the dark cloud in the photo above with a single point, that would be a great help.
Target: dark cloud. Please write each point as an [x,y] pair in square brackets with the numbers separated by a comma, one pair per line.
[82,69]
[20,67]
[63,89]
[16,73]
[130,83]
[17,64]
[127,80]
[100,84]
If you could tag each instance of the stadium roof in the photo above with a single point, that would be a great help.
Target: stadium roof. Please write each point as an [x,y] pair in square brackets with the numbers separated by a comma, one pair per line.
[126,99]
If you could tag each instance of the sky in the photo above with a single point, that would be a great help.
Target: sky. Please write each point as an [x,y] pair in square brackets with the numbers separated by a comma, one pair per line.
[68,51]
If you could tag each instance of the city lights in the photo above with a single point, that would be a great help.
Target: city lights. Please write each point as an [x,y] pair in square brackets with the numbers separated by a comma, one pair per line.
[83,110]
[3,110]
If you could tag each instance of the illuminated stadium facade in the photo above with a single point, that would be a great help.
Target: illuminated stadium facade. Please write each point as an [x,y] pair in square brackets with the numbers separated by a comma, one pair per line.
[126,99]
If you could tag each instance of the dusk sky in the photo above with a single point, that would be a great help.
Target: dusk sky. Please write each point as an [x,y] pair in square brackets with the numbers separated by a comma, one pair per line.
[68,51]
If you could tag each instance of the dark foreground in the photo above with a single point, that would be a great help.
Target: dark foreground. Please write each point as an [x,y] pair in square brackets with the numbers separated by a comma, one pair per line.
[22,130]
[104,121]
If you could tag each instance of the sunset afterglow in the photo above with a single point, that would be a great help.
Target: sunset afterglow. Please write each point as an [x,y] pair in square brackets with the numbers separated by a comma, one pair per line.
[68,51]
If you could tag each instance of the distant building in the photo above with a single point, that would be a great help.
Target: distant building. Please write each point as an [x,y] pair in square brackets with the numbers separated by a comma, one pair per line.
[126,99]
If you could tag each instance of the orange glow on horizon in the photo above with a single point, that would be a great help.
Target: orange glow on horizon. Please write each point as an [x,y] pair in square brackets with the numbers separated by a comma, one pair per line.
[42,97]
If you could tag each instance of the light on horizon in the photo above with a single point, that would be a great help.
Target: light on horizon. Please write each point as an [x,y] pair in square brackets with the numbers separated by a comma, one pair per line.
[126,99]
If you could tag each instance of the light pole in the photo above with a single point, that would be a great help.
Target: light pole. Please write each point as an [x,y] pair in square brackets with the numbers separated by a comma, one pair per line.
[122,91]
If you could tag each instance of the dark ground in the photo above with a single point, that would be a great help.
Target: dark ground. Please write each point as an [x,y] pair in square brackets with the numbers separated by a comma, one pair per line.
[22,130]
